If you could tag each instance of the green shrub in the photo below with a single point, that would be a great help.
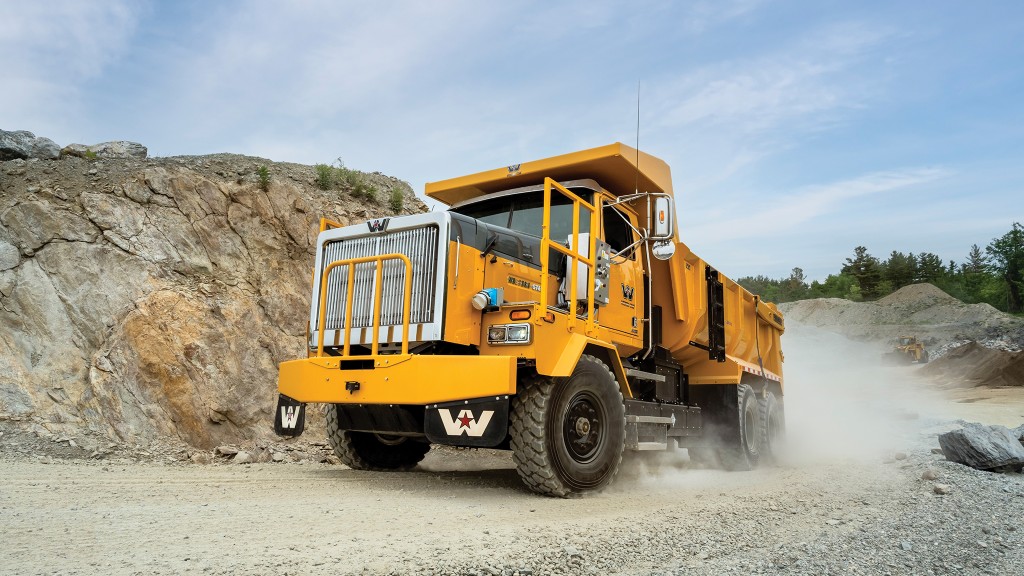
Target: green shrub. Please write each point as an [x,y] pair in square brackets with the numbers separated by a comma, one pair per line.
[344,177]
[90,155]
[362,189]
[264,175]
[397,200]
[324,176]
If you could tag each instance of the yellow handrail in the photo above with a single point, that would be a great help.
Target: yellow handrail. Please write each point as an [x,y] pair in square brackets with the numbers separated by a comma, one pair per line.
[327,224]
[377,301]
[573,253]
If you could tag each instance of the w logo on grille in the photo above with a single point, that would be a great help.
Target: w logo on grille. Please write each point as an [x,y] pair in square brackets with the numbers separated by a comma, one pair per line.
[378,225]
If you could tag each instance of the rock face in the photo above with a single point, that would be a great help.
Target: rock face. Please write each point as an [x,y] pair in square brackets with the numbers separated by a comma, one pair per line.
[22,144]
[983,447]
[118,149]
[153,299]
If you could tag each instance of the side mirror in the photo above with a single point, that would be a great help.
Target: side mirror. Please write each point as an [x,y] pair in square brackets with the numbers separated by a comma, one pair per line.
[663,249]
[662,222]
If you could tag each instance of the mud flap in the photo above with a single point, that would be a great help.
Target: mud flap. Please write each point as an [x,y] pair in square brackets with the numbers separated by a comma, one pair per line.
[482,422]
[290,418]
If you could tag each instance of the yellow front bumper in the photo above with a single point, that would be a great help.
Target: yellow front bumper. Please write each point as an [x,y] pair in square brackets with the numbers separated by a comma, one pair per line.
[398,379]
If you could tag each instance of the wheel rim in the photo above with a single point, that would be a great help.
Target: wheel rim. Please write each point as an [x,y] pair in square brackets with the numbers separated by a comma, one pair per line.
[582,431]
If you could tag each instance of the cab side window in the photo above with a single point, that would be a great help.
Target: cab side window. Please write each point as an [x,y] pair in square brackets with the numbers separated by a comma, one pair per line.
[617,232]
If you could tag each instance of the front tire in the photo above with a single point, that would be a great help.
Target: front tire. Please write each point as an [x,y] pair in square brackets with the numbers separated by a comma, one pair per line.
[369,451]
[568,434]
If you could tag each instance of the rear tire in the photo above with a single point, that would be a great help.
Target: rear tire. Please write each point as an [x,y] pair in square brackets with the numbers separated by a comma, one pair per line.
[568,434]
[746,453]
[773,427]
[924,357]
[370,451]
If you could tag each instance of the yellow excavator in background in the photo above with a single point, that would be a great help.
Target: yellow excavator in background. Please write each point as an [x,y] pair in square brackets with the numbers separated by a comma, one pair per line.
[911,349]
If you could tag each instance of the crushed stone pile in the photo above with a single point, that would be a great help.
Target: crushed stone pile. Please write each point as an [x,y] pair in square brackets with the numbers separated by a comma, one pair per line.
[973,364]
[969,344]
[921,310]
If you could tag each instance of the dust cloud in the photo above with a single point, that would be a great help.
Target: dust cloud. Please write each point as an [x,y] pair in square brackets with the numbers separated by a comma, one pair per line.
[843,401]
[843,404]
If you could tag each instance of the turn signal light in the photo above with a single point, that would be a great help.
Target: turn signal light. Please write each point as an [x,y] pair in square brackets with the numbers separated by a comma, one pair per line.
[519,315]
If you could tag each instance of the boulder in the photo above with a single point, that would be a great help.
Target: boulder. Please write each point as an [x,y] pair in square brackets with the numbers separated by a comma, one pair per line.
[24,144]
[993,448]
[116,149]
[9,256]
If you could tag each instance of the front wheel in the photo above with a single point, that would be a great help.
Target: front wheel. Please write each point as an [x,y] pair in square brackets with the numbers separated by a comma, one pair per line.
[568,433]
[369,451]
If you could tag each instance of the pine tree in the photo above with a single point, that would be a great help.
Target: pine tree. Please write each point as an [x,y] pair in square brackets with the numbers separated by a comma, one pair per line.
[974,272]
[930,267]
[867,270]
[900,269]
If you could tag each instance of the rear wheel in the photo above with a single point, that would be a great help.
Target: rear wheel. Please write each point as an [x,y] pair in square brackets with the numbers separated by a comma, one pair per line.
[924,357]
[568,433]
[773,426]
[370,451]
[745,454]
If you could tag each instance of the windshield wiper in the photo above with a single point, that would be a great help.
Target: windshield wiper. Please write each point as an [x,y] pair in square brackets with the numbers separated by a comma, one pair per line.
[491,242]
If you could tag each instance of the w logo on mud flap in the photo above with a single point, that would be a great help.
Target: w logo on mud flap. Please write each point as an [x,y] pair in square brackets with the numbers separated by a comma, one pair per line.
[466,423]
[378,225]
[290,416]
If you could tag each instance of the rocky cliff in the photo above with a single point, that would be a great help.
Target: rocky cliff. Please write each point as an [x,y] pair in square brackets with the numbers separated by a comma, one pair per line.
[151,299]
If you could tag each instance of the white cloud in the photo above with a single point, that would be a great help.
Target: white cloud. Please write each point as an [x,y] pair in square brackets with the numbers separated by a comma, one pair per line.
[794,85]
[702,15]
[779,216]
[48,49]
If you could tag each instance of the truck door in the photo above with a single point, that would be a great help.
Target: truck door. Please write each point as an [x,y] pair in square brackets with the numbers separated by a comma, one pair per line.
[625,310]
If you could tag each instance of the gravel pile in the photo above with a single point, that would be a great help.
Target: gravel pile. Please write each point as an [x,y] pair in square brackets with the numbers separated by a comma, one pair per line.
[920,310]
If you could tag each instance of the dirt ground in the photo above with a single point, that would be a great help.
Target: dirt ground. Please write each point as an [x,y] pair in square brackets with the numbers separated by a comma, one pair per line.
[848,498]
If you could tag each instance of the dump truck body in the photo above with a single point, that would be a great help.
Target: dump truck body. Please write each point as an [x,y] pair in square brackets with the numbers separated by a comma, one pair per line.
[551,310]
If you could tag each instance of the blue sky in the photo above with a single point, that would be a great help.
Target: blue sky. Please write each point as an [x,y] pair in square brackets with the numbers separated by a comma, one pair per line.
[796,130]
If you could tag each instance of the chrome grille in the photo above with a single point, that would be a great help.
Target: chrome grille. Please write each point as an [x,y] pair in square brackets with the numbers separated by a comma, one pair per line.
[418,244]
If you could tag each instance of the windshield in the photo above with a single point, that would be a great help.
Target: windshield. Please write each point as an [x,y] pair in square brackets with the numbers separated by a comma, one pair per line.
[525,212]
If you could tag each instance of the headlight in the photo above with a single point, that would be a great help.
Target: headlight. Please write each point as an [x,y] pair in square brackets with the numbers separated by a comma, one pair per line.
[509,334]
[518,333]
[496,333]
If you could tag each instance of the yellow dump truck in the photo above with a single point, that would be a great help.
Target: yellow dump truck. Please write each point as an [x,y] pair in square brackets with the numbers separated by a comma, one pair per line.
[552,311]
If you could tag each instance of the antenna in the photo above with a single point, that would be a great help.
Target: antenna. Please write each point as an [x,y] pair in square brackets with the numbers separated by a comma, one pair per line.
[636,183]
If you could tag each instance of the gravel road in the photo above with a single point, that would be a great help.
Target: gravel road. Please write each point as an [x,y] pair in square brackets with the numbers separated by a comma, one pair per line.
[848,499]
